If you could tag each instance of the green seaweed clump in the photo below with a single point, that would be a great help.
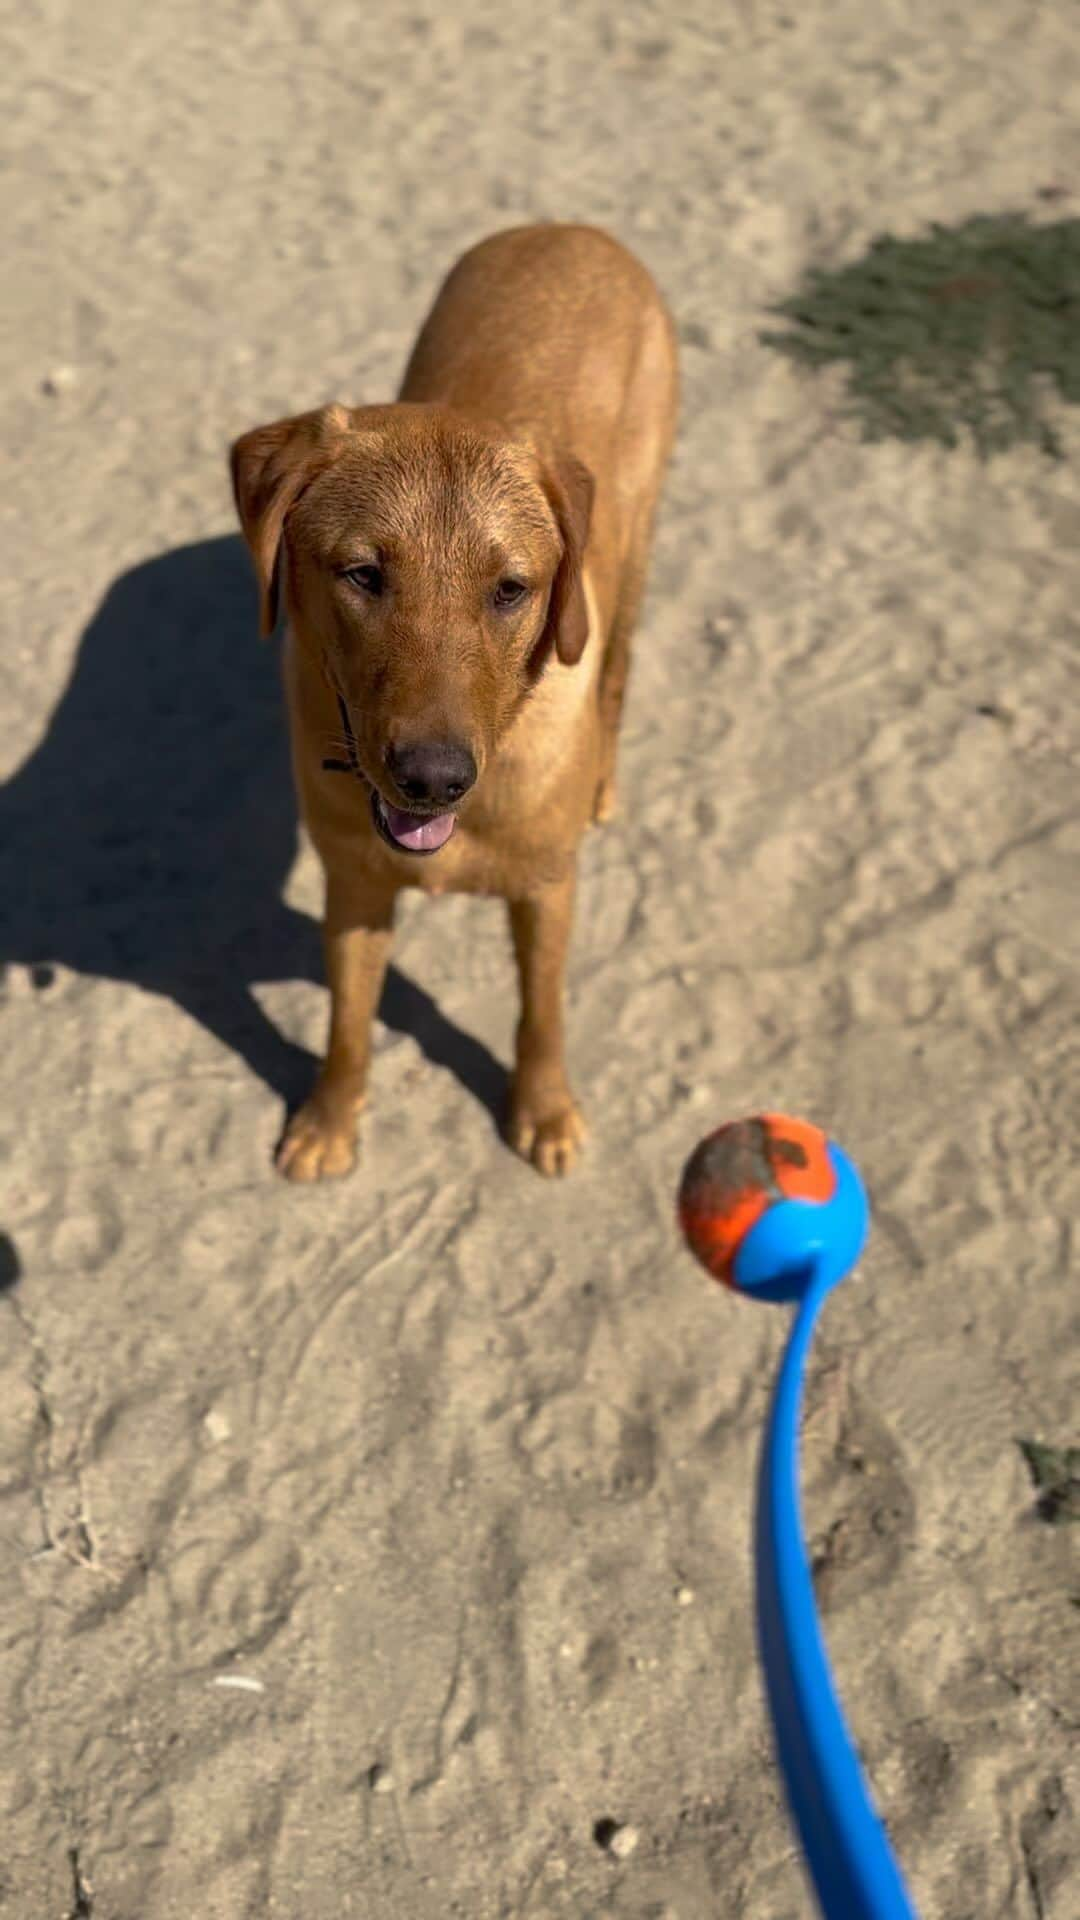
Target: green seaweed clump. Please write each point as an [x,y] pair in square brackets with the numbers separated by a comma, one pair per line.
[1055,1474]
[969,329]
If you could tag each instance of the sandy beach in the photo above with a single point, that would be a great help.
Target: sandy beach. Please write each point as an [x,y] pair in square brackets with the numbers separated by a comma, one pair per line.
[364,1546]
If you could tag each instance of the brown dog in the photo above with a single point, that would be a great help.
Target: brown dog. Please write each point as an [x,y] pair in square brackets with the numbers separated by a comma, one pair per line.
[461,573]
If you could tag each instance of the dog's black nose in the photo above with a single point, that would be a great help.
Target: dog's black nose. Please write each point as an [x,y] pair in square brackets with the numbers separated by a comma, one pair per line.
[436,773]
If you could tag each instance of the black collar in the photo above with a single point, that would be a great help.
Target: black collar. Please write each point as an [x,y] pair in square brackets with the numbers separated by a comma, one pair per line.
[352,764]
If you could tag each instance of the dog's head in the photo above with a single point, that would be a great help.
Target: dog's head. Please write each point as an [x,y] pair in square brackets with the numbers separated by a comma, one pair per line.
[430,567]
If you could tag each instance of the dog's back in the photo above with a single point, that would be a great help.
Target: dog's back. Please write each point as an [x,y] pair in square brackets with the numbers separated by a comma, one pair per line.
[557,327]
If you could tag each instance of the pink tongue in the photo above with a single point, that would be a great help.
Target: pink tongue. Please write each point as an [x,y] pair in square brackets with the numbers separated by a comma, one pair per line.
[419,835]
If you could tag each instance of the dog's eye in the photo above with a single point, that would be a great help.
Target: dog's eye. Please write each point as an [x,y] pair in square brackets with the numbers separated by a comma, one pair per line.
[368,579]
[510,593]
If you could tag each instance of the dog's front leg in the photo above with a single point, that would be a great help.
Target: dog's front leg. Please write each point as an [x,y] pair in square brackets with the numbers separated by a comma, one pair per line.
[320,1140]
[545,1125]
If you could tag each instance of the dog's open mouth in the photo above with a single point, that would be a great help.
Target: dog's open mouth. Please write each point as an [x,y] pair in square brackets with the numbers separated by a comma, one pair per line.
[411,832]
[405,832]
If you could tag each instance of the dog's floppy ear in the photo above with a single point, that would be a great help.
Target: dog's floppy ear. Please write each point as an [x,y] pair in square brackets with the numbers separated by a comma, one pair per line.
[569,488]
[271,466]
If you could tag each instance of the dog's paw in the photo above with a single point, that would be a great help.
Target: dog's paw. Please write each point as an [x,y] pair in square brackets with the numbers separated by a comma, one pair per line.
[317,1144]
[550,1137]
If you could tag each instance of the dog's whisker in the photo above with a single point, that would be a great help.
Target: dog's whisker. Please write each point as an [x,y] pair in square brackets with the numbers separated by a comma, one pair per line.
[340,756]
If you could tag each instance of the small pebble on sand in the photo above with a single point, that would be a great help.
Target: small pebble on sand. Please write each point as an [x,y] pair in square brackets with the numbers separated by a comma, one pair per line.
[60,380]
[616,1839]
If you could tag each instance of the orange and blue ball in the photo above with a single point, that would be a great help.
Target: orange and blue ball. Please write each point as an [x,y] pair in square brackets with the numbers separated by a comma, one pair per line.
[768,1202]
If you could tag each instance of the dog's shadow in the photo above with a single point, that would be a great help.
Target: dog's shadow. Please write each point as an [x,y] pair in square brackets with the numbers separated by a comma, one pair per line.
[149,835]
